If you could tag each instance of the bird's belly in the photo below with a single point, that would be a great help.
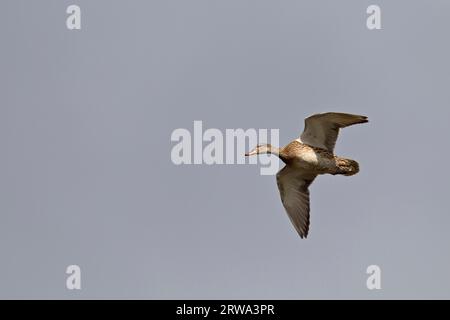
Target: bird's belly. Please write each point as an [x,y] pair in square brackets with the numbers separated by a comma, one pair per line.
[313,162]
[306,160]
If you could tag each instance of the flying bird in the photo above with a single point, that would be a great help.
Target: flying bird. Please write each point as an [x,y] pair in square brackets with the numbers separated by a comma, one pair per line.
[307,157]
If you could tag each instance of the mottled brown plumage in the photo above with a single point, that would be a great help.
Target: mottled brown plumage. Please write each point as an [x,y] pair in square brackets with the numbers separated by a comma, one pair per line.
[316,159]
[308,156]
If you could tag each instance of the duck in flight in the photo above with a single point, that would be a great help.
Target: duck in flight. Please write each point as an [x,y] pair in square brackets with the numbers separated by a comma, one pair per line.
[307,157]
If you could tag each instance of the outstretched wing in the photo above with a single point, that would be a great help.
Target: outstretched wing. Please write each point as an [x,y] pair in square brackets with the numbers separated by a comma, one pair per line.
[293,186]
[322,129]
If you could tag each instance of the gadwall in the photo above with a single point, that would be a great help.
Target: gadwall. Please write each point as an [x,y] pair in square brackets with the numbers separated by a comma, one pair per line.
[308,156]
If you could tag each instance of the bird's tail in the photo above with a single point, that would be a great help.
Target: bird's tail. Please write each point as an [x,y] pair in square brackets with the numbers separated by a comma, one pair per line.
[347,167]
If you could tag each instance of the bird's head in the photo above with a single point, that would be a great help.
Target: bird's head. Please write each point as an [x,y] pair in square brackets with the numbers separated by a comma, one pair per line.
[260,149]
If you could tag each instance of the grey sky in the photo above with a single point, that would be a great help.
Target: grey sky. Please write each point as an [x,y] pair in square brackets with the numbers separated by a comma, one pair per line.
[85,171]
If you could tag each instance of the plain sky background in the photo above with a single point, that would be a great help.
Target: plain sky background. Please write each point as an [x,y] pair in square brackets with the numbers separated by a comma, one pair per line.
[85,170]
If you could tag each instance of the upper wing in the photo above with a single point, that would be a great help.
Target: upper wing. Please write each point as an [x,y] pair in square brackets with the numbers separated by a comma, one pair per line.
[322,129]
[293,186]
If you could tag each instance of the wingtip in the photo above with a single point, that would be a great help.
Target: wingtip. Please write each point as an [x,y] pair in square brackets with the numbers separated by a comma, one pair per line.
[364,119]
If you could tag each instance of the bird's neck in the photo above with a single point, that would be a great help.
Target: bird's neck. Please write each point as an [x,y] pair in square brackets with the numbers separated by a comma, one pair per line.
[279,153]
[274,150]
